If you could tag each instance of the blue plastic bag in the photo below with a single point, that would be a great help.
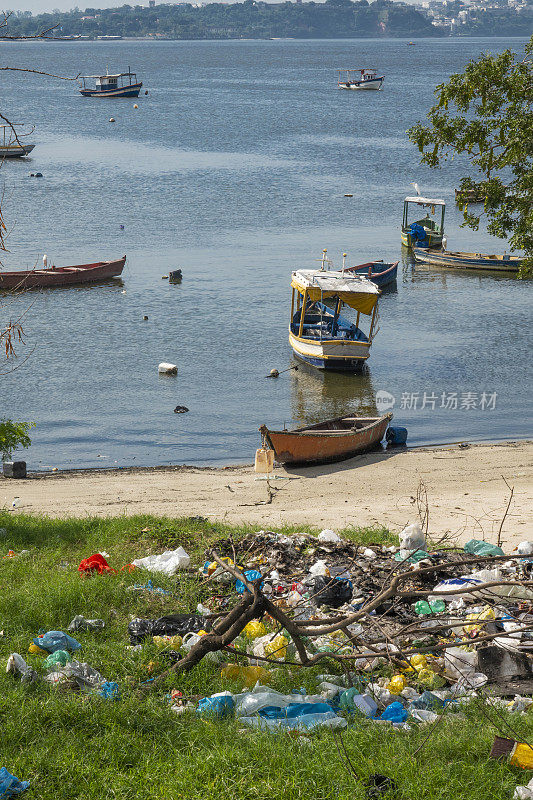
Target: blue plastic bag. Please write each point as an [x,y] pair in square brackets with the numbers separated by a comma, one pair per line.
[9,785]
[56,640]
[219,706]
[395,712]
[109,690]
[251,575]
[294,710]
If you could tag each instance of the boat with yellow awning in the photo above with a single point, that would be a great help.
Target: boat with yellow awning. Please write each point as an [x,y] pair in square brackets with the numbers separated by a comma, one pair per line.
[318,334]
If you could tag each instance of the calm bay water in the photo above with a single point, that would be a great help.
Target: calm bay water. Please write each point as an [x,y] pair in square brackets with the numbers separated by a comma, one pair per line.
[234,169]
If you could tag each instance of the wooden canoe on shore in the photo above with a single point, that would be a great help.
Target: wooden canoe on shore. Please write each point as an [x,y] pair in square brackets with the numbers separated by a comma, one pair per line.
[327,442]
[61,276]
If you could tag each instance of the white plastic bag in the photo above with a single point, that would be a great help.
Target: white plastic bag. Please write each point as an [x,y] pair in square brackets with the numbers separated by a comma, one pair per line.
[168,562]
[329,536]
[460,663]
[412,538]
[319,568]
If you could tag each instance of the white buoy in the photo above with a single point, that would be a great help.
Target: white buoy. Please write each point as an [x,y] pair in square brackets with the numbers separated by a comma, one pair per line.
[167,369]
[135,106]
[45,260]
[111,119]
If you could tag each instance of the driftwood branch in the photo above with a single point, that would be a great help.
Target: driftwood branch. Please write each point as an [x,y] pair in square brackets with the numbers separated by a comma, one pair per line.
[383,643]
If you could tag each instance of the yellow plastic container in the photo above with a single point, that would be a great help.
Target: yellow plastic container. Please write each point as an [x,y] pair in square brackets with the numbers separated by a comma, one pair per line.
[277,648]
[483,616]
[522,756]
[264,460]
[254,629]
[396,684]
[171,641]
[248,675]
[37,650]
[419,661]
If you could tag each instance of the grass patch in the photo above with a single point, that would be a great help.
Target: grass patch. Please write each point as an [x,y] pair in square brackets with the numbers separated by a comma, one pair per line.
[80,746]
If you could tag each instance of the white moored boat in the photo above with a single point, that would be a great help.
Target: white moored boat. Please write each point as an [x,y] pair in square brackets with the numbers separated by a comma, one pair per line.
[360,78]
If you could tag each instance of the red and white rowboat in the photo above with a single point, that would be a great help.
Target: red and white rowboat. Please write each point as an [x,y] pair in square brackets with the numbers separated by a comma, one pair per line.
[61,276]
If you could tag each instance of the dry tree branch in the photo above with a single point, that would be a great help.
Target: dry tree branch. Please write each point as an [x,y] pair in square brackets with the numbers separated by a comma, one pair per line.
[511,489]
[39,71]
[254,605]
[4,24]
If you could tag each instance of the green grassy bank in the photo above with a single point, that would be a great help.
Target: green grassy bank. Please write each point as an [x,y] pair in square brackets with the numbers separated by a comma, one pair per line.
[73,745]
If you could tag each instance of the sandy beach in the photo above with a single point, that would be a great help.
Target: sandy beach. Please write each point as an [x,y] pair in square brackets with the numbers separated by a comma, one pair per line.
[466,491]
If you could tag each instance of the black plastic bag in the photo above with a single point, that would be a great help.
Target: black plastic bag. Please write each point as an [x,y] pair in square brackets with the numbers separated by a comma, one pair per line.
[172,625]
[332,592]
[379,785]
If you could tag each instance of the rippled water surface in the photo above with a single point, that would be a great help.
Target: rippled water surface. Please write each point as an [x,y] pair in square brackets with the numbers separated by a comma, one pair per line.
[234,169]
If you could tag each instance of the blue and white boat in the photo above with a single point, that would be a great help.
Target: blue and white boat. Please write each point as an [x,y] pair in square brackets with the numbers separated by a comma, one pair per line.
[379,272]
[111,85]
[318,334]
[360,78]
[461,260]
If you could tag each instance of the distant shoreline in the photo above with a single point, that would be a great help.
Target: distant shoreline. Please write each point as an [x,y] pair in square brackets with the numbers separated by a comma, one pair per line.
[270,39]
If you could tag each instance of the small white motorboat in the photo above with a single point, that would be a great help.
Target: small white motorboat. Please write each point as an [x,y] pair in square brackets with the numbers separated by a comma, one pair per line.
[360,78]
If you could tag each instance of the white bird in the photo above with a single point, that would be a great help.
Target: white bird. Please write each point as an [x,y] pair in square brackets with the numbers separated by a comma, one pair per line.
[45,260]
[416,187]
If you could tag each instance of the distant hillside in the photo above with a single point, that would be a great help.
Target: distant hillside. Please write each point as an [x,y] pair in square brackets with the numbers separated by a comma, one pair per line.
[257,20]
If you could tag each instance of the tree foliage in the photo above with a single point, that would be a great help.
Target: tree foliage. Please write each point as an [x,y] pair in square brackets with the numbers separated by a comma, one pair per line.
[13,436]
[486,114]
[248,19]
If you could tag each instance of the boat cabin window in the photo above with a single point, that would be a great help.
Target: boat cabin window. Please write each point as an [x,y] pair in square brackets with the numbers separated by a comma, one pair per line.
[106,81]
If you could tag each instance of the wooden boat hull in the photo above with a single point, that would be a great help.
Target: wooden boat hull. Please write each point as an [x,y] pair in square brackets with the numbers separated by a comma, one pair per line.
[120,91]
[338,355]
[469,196]
[312,445]
[61,276]
[377,272]
[16,151]
[465,261]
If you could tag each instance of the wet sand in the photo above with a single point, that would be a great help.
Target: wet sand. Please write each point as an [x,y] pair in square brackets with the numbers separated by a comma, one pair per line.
[466,491]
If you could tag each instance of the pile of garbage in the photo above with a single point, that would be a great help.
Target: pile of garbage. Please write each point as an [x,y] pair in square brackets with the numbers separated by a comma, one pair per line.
[59,667]
[404,633]
[457,621]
